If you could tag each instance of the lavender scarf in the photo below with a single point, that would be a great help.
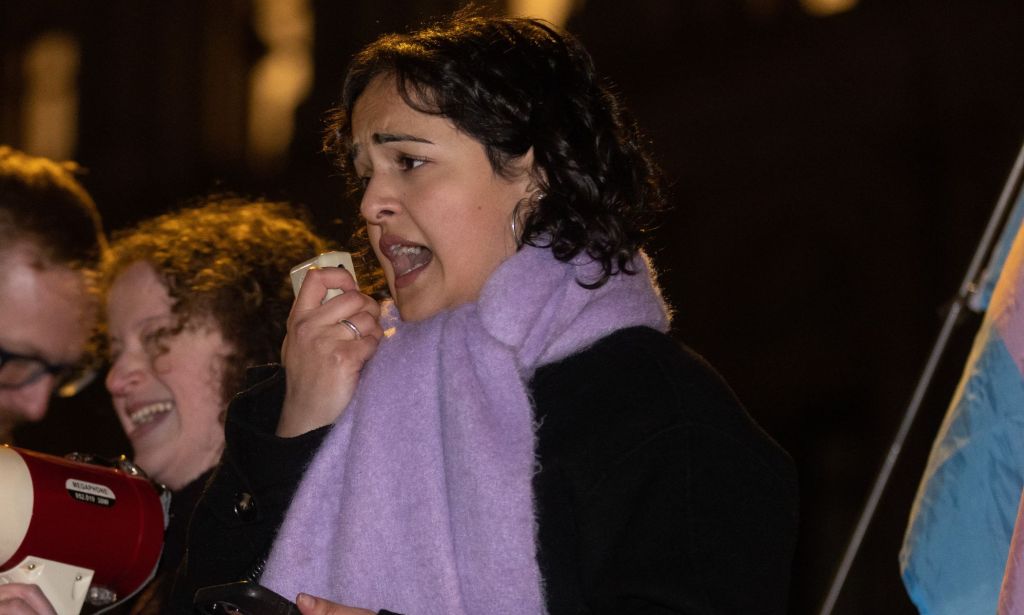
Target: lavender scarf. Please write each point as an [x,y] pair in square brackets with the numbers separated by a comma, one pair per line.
[420,499]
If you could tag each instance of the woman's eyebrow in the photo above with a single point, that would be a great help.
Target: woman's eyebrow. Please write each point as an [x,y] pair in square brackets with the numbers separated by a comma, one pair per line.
[387,137]
[380,138]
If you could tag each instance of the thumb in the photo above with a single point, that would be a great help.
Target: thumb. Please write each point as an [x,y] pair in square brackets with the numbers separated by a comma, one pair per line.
[311,605]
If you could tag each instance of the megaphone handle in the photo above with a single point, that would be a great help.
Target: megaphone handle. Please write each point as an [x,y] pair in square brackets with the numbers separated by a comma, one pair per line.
[64,586]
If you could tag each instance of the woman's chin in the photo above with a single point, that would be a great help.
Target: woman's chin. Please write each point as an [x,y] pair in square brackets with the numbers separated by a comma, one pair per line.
[414,311]
[154,464]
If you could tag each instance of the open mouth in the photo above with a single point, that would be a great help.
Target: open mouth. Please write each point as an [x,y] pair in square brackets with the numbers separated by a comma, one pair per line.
[145,414]
[407,258]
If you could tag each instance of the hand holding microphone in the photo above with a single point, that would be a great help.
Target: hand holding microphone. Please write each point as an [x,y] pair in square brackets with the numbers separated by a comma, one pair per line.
[330,337]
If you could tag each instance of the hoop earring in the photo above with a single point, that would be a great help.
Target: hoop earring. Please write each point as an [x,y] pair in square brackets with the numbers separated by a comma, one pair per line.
[515,225]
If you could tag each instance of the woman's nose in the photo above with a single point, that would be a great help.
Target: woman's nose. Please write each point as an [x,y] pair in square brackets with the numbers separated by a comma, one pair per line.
[380,200]
[125,372]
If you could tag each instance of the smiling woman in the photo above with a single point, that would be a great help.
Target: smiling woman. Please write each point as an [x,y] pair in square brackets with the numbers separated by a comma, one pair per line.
[191,299]
[165,378]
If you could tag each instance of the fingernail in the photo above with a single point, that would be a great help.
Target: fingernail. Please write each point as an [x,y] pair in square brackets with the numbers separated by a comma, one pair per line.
[305,601]
[341,266]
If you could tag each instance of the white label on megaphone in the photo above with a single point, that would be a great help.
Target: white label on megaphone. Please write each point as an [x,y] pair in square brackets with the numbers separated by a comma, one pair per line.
[90,493]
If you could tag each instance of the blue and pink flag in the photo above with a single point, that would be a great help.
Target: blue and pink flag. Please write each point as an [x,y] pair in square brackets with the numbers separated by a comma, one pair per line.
[1011,598]
[955,549]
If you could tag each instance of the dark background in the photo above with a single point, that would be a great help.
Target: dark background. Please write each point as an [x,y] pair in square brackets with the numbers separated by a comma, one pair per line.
[831,178]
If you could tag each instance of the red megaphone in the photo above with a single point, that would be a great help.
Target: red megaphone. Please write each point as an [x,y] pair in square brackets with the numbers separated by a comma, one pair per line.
[79,530]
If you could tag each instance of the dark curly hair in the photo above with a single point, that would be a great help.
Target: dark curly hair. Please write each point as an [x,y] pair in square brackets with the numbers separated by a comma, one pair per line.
[226,260]
[514,84]
[42,203]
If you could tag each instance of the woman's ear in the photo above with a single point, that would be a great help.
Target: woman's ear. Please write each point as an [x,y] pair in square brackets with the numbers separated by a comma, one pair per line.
[538,178]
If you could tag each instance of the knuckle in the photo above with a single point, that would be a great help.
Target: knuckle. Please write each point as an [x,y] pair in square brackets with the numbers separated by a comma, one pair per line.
[301,327]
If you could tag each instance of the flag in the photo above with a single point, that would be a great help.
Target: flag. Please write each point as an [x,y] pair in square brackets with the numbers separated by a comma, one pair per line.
[983,293]
[1011,598]
[955,548]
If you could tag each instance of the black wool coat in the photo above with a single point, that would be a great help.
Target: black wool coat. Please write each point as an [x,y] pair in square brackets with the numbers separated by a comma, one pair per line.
[655,491]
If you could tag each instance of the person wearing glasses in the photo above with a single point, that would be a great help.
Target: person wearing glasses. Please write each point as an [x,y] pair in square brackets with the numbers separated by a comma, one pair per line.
[50,239]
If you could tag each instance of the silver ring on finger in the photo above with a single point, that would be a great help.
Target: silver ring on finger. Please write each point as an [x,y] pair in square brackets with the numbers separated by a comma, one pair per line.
[351,326]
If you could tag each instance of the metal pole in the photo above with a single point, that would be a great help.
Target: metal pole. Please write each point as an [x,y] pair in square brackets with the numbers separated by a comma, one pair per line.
[970,281]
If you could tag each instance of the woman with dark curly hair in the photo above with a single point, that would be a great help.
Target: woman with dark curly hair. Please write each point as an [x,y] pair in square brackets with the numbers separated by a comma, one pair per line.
[526,438]
[192,298]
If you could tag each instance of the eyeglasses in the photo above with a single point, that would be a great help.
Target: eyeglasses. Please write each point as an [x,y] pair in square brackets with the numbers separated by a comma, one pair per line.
[18,370]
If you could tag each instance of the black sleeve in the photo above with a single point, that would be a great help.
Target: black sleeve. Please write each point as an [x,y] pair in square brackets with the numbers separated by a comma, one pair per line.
[244,503]
[656,492]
